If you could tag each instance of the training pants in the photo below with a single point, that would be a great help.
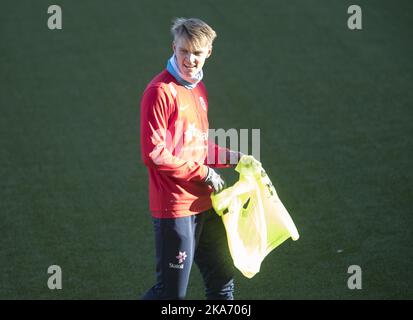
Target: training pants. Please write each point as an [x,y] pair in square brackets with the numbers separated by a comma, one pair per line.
[179,242]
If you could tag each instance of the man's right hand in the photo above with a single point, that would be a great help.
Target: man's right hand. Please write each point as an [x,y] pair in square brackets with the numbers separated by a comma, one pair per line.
[214,180]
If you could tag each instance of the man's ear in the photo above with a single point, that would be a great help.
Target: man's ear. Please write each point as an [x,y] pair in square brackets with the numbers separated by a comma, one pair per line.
[173,46]
[209,52]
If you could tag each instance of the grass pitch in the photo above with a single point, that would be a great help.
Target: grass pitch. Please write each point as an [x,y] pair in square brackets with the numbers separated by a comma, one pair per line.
[333,107]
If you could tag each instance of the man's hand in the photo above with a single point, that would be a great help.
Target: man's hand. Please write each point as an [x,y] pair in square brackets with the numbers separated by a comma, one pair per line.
[214,180]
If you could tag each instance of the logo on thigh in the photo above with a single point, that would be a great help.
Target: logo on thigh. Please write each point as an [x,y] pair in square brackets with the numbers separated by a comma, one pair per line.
[181,258]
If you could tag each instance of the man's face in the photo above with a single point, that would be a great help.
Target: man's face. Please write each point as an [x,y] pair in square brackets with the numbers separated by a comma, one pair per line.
[190,59]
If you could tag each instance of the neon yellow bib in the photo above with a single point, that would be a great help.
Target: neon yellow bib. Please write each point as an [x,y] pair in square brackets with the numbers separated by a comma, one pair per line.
[255,220]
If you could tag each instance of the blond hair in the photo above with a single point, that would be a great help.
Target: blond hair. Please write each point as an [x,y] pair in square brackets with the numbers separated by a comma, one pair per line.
[196,31]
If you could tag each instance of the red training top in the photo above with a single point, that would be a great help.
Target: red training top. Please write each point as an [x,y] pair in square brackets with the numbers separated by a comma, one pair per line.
[175,147]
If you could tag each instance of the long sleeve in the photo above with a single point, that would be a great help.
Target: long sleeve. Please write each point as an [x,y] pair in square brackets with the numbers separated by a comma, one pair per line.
[219,157]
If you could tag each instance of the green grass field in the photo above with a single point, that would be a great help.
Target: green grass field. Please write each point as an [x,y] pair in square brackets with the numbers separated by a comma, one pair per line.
[334,110]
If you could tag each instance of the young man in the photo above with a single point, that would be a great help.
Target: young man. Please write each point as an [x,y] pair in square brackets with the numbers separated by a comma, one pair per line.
[179,158]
